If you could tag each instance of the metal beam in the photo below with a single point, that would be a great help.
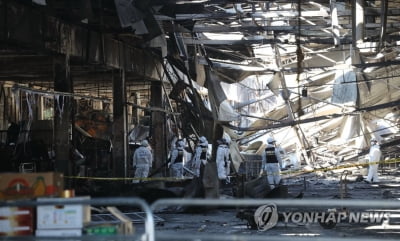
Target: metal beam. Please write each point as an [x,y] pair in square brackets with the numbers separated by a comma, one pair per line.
[285,123]
[382,36]
[335,23]
[273,14]
[369,11]
[262,41]
[357,21]
[213,28]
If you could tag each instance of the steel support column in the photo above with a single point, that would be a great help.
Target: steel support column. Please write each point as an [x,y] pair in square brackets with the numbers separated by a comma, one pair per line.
[62,115]
[119,137]
[158,130]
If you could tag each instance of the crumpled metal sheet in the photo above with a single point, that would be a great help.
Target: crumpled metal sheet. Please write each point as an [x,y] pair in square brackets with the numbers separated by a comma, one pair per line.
[127,12]
[345,88]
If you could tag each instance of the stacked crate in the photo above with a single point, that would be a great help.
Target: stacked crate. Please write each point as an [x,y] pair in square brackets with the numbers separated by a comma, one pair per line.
[61,220]
[20,221]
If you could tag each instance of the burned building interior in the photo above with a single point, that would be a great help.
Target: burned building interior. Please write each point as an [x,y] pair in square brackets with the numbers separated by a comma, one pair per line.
[84,82]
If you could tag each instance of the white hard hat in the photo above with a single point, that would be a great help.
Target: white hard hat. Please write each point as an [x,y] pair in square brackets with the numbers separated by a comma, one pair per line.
[144,143]
[270,140]
[374,140]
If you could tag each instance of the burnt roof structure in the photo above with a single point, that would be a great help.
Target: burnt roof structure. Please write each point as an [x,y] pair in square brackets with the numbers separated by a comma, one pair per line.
[327,70]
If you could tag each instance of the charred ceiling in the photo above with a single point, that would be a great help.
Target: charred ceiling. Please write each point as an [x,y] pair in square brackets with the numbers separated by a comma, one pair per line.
[342,53]
[185,26]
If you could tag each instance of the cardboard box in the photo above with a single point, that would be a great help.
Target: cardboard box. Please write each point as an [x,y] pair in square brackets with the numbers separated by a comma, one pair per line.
[72,216]
[58,232]
[30,185]
[16,221]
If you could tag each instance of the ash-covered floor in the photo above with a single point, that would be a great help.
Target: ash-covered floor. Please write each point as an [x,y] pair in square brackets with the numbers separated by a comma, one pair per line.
[218,223]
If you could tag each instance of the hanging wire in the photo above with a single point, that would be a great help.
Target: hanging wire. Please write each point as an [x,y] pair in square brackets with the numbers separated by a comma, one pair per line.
[56,93]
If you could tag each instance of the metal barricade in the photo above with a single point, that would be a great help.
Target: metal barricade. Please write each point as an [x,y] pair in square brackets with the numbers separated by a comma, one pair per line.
[149,225]
[150,233]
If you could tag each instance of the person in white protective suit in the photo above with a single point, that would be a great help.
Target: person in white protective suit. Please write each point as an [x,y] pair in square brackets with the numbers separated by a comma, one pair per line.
[179,157]
[201,155]
[142,161]
[374,157]
[223,160]
[271,163]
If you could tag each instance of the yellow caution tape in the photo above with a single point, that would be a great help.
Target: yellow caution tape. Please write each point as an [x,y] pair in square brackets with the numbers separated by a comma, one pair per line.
[325,169]
[176,179]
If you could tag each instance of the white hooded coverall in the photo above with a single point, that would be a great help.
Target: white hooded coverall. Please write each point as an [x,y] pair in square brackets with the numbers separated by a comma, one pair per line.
[179,157]
[142,160]
[201,155]
[374,157]
[272,167]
